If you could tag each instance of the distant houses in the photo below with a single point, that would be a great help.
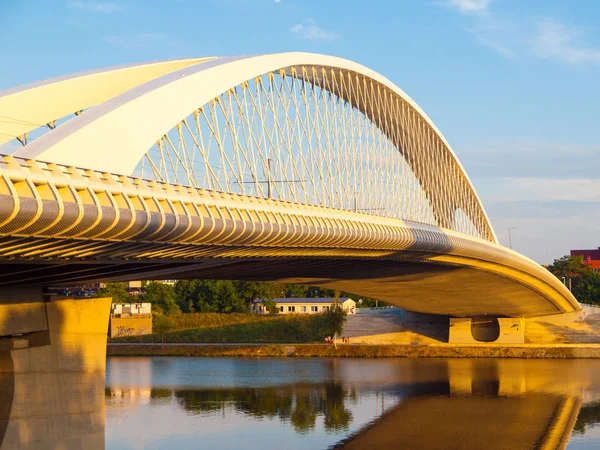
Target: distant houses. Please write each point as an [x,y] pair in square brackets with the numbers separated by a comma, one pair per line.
[303,305]
[130,319]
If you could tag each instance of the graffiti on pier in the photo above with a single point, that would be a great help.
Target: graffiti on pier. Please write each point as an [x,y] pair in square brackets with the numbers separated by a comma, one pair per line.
[124,331]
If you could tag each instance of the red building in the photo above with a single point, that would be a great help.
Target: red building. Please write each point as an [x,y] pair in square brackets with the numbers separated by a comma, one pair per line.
[590,257]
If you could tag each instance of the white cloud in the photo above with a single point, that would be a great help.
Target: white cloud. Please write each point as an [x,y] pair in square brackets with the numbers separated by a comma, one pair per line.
[531,158]
[552,216]
[95,7]
[503,50]
[556,41]
[544,237]
[311,31]
[489,30]
[546,189]
[469,6]
[585,190]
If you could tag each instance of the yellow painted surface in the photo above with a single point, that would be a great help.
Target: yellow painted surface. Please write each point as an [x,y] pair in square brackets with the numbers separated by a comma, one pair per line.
[130,326]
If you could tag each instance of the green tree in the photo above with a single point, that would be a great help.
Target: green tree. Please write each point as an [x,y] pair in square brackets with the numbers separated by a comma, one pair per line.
[296,290]
[193,295]
[162,325]
[336,316]
[271,306]
[118,292]
[585,283]
[209,296]
[227,299]
[162,297]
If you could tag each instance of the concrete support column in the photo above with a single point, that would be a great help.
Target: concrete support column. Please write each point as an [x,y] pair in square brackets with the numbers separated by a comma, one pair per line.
[501,330]
[52,365]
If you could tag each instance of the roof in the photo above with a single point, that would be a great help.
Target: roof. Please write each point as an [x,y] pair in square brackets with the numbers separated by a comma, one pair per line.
[592,255]
[325,301]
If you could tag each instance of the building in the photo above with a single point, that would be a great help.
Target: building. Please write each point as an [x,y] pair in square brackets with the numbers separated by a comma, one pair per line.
[130,319]
[303,305]
[590,257]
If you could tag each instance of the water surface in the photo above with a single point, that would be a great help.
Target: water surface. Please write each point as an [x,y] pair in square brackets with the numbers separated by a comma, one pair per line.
[232,403]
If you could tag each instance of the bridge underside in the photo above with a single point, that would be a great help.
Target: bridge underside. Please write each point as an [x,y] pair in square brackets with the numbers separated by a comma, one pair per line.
[406,279]
[56,231]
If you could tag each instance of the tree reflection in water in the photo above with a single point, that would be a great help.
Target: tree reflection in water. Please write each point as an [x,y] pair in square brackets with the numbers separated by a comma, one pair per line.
[299,404]
[589,416]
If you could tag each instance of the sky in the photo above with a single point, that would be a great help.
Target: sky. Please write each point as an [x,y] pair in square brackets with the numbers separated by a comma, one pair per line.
[512,84]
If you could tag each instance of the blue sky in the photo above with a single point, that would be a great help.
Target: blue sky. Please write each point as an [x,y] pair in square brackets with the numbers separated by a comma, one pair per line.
[512,84]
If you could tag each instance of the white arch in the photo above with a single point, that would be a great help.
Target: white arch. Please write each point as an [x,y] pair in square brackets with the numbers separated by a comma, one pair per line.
[25,108]
[114,136]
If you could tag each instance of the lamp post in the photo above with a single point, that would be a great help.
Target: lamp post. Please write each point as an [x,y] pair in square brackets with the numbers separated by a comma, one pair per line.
[510,236]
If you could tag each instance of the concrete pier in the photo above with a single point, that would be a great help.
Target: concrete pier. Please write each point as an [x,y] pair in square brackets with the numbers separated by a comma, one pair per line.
[52,367]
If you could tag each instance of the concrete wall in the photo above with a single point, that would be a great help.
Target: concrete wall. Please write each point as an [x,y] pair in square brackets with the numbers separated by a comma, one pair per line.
[130,326]
[508,330]
[52,380]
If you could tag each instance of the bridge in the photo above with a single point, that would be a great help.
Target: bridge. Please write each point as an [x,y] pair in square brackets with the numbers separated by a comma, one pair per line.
[294,167]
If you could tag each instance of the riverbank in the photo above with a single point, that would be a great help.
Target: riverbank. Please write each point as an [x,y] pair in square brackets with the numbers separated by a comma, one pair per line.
[217,328]
[528,351]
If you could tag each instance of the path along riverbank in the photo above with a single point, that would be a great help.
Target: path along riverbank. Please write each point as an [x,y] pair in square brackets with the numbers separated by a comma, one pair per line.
[533,351]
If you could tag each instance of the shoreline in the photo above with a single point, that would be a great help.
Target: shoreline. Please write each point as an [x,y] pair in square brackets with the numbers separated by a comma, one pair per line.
[526,351]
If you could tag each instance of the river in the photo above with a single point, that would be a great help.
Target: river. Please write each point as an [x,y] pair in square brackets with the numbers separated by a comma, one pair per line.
[233,403]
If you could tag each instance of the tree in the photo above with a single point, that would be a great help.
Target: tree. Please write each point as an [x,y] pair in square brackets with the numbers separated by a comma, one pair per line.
[209,296]
[193,295]
[271,306]
[162,324]
[336,316]
[117,291]
[162,297]
[227,299]
[296,290]
[585,283]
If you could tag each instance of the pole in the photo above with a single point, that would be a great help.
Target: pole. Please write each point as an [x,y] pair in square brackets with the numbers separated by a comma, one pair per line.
[509,239]
[269,160]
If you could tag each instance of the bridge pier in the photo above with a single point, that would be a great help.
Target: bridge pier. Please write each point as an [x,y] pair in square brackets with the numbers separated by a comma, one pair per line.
[487,329]
[52,363]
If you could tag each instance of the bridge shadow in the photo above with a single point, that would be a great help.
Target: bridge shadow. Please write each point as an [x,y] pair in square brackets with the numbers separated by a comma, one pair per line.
[401,328]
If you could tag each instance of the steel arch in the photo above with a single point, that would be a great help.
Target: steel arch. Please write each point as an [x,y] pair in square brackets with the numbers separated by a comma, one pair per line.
[114,135]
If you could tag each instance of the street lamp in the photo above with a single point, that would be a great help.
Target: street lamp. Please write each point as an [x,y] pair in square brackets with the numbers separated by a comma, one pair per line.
[565,283]
[510,237]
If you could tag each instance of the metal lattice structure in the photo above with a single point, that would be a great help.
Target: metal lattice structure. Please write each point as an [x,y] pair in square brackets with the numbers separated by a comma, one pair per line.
[293,167]
[335,135]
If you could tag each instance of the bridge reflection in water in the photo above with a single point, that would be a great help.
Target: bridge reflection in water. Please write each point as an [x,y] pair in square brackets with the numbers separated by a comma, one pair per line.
[429,404]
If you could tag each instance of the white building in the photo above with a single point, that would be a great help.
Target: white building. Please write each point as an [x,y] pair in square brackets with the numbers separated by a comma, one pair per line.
[130,309]
[303,305]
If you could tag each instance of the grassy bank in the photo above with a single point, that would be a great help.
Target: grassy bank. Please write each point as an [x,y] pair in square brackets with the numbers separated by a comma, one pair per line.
[360,351]
[239,328]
